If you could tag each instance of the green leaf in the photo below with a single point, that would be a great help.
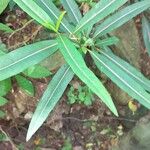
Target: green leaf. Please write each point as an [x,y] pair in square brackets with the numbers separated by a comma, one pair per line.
[146,33]
[54,13]
[76,62]
[24,57]
[5,28]
[50,98]
[127,68]
[5,86]
[3,49]
[3,5]
[2,114]
[72,9]
[37,72]
[59,20]
[121,17]
[25,85]
[36,12]
[107,42]
[99,12]
[3,101]
[121,78]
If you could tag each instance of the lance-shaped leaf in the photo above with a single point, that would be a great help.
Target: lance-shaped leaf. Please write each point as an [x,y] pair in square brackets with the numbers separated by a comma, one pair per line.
[127,68]
[121,17]
[54,13]
[146,33]
[36,12]
[50,98]
[121,78]
[24,57]
[99,12]
[76,62]
[107,42]
[72,9]
[5,28]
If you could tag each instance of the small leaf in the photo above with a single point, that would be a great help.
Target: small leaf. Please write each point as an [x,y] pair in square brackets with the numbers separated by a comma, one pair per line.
[37,72]
[121,17]
[3,5]
[107,42]
[25,85]
[5,28]
[49,7]
[59,20]
[25,57]
[3,101]
[146,33]
[2,114]
[36,12]
[5,86]
[50,98]
[76,62]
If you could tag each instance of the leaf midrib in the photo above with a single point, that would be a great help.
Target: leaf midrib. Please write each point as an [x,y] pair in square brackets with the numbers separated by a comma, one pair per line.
[93,16]
[56,16]
[27,56]
[121,79]
[72,11]
[78,65]
[51,95]
[136,77]
[117,20]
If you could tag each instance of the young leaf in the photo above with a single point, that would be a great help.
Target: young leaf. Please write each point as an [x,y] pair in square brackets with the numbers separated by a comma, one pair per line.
[36,12]
[5,28]
[37,72]
[127,68]
[146,33]
[54,13]
[50,98]
[107,42]
[3,101]
[72,9]
[76,62]
[25,85]
[98,12]
[121,78]
[5,86]
[24,57]
[121,17]
[3,5]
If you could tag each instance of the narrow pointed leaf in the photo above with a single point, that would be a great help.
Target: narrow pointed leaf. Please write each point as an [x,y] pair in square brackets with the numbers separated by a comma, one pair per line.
[99,12]
[24,57]
[36,12]
[127,68]
[5,86]
[3,101]
[5,28]
[72,10]
[121,17]
[107,42]
[54,13]
[146,33]
[123,80]
[50,98]
[76,62]
[3,5]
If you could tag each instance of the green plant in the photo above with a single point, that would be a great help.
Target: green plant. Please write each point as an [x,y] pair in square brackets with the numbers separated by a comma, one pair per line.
[74,41]
[82,95]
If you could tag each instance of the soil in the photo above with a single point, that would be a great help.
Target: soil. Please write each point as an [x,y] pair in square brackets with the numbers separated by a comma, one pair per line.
[85,127]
